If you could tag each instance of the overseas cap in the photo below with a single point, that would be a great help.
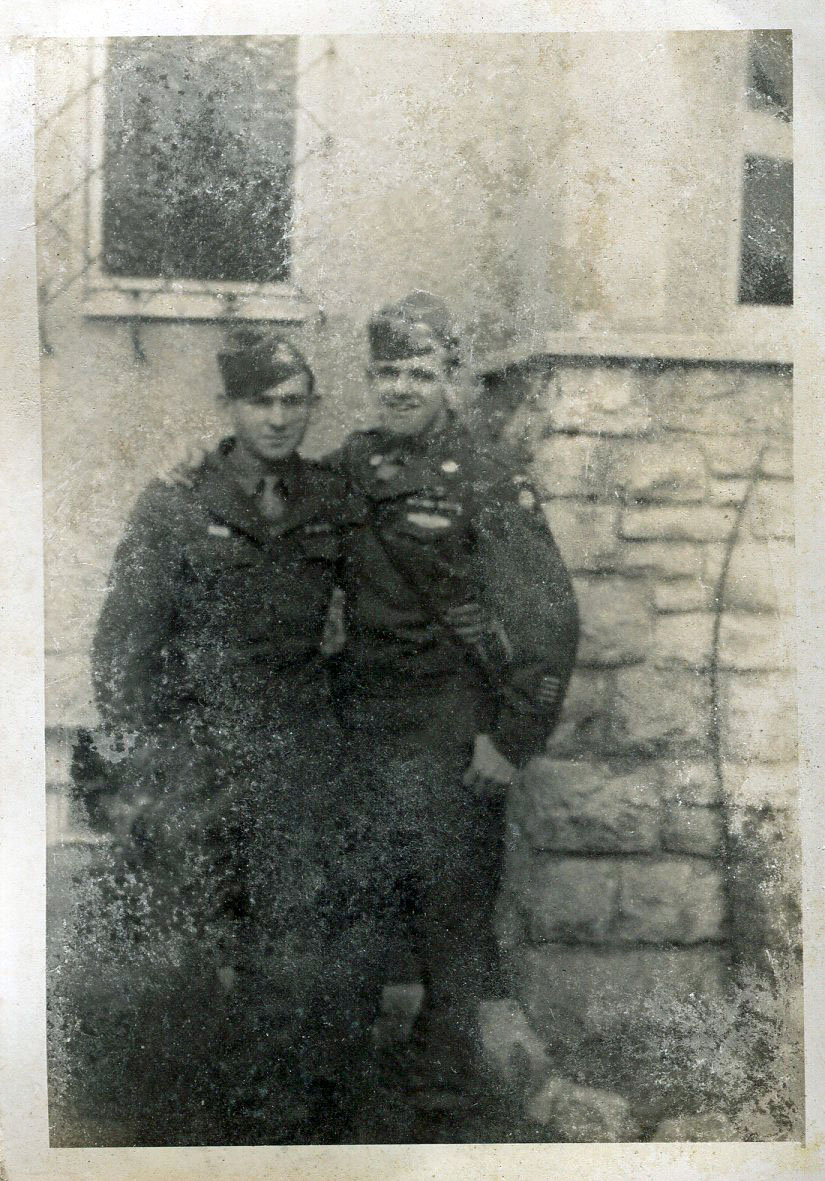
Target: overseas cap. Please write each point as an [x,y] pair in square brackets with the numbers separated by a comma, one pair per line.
[257,362]
[416,324]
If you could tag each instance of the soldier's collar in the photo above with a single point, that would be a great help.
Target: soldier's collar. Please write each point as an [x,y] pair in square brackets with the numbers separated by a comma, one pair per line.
[434,438]
[247,470]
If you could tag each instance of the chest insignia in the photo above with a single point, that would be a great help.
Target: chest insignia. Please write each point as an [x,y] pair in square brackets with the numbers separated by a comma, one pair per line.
[449,466]
[429,520]
[218,531]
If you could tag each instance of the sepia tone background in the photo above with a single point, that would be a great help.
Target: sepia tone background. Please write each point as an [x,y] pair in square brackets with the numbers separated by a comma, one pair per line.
[608,216]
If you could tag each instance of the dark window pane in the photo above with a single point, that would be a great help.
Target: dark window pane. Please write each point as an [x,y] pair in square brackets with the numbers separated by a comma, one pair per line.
[766,273]
[199,138]
[771,70]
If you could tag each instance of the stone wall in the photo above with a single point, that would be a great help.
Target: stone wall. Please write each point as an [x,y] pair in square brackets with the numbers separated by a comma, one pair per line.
[652,888]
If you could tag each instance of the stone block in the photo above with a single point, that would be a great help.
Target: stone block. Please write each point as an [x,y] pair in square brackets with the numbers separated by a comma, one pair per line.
[715,555]
[725,400]
[667,559]
[755,785]
[588,991]
[758,717]
[670,900]
[659,707]
[681,594]
[748,641]
[761,577]
[684,640]
[510,1047]
[600,400]
[509,924]
[583,1115]
[778,461]
[690,782]
[770,512]
[571,899]
[726,492]
[666,471]
[615,621]
[584,713]
[698,831]
[731,456]
[686,395]
[711,1127]
[586,807]
[585,533]
[518,860]
[698,522]
[575,465]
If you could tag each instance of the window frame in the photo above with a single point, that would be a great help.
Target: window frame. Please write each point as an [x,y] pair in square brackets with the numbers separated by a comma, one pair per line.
[115,296]
[763,133]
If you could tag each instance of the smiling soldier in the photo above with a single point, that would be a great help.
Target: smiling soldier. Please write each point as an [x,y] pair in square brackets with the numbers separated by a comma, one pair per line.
[207,667]
[461,631]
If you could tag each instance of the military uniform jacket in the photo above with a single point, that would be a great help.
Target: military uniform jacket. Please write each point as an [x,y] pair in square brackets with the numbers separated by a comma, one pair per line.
[448,524]
[211,608]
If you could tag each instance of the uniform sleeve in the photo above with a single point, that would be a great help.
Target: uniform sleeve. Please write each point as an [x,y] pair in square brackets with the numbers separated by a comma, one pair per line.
[528,591]
[137,620]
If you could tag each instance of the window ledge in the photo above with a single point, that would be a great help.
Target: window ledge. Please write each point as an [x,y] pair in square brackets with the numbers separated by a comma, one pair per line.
[775,349]
[185,301]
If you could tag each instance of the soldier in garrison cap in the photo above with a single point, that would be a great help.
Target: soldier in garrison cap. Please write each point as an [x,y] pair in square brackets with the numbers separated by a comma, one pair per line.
[210,679]
[462,629]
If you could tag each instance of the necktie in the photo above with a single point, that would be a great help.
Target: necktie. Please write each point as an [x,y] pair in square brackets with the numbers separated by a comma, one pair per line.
[271,498]
[390,465]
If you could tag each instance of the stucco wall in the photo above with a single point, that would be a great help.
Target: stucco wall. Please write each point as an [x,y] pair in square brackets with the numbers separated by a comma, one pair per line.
[564,181]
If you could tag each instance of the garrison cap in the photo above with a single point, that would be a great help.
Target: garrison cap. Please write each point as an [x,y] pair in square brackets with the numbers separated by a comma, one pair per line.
[257,362]
[415,325]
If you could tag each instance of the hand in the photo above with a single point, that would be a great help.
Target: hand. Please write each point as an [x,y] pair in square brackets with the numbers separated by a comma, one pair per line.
[182,471]
[469,621]
[489,772]
[548,690]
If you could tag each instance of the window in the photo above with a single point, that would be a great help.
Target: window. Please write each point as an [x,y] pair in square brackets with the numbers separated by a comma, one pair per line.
[766,223]
[770,63]
[191,192]
[766,267]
